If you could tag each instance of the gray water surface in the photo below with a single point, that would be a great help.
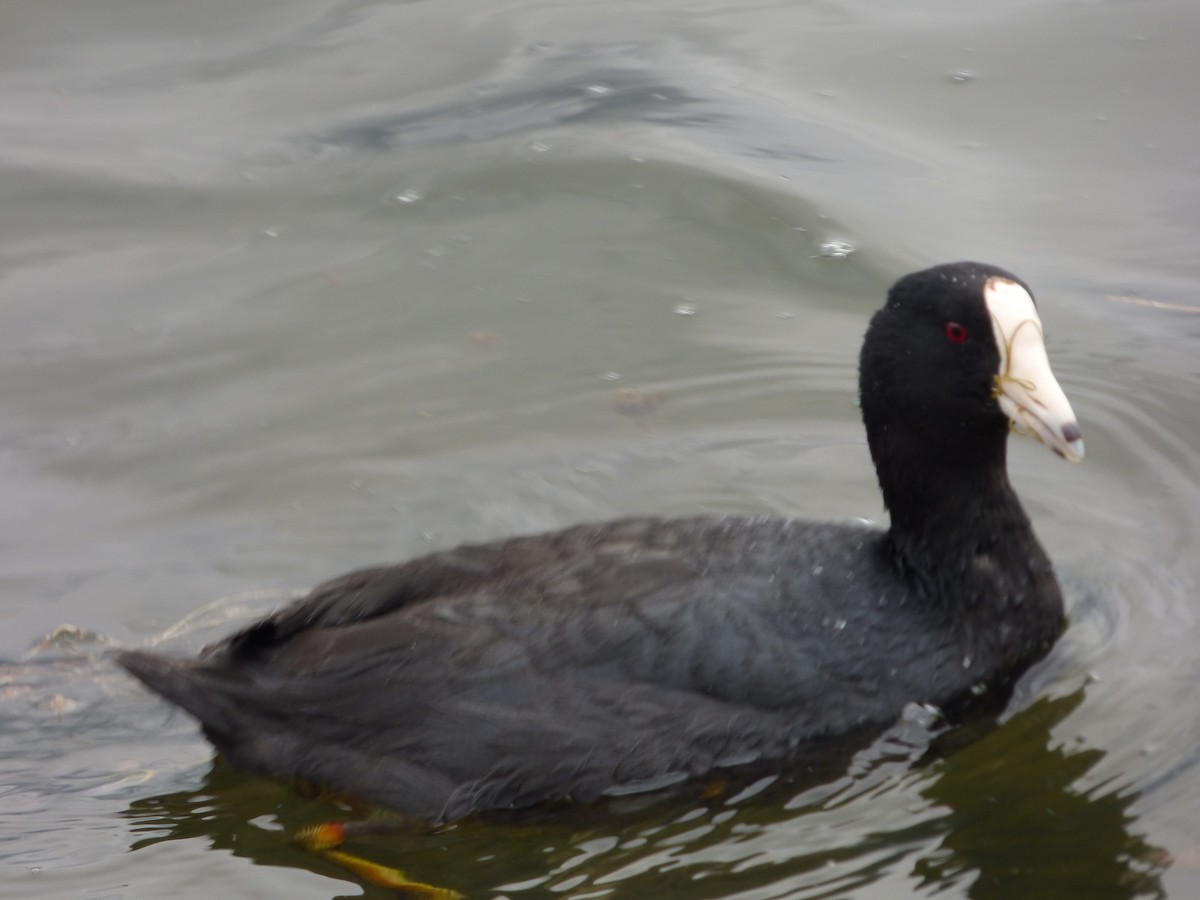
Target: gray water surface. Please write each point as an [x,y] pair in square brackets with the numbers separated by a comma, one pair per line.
[292,288]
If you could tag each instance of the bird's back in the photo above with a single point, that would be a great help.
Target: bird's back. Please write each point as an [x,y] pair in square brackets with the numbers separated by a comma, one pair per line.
[596,660]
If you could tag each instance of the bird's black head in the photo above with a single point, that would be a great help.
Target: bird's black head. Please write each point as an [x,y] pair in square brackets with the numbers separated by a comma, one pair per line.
[954,356]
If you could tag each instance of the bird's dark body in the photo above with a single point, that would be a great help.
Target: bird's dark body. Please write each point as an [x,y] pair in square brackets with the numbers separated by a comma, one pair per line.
[481,682]
[633,655]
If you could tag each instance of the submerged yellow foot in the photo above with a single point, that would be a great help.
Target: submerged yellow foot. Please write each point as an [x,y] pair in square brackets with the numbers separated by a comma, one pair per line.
[324,838]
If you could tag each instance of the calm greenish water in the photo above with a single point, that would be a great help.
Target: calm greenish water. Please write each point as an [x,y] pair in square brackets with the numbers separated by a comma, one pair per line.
[291,288]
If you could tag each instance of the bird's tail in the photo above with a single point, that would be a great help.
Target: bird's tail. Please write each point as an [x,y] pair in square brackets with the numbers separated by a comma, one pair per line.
[191,684]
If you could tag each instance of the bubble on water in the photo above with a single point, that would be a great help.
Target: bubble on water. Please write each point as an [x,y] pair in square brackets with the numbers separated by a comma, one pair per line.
[839,624]
[685,309]
[836,249]
[966,662]
[412,195]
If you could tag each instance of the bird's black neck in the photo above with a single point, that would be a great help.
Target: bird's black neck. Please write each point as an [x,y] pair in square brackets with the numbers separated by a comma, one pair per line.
[955,503]
[961,540]
[959,533]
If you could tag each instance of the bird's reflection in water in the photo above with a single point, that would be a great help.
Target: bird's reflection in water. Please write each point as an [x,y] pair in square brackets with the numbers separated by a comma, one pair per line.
[1018,823]
[1010,820]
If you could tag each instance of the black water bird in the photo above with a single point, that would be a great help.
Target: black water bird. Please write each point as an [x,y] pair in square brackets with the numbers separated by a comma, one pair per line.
[630,656]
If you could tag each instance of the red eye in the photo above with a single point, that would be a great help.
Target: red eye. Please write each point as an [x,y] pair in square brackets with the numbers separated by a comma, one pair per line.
[955,333]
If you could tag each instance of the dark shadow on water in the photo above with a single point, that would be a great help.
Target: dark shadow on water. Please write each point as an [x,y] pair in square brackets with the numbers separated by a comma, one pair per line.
[1007,820]
[1017,825]
[608,94]
[598,85]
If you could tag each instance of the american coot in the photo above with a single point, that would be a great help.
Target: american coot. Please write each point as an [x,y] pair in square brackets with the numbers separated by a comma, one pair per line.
[629,656]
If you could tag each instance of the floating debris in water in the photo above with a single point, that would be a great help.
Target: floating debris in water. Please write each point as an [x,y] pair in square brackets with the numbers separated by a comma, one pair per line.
[64,635]
[685,309]
[58,704]
[484,340]
[412,195]
[68,641]
[1153,304]
[962,76]
[639,405]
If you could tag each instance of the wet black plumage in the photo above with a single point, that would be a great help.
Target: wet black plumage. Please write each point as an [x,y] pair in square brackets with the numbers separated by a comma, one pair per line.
[633,655]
